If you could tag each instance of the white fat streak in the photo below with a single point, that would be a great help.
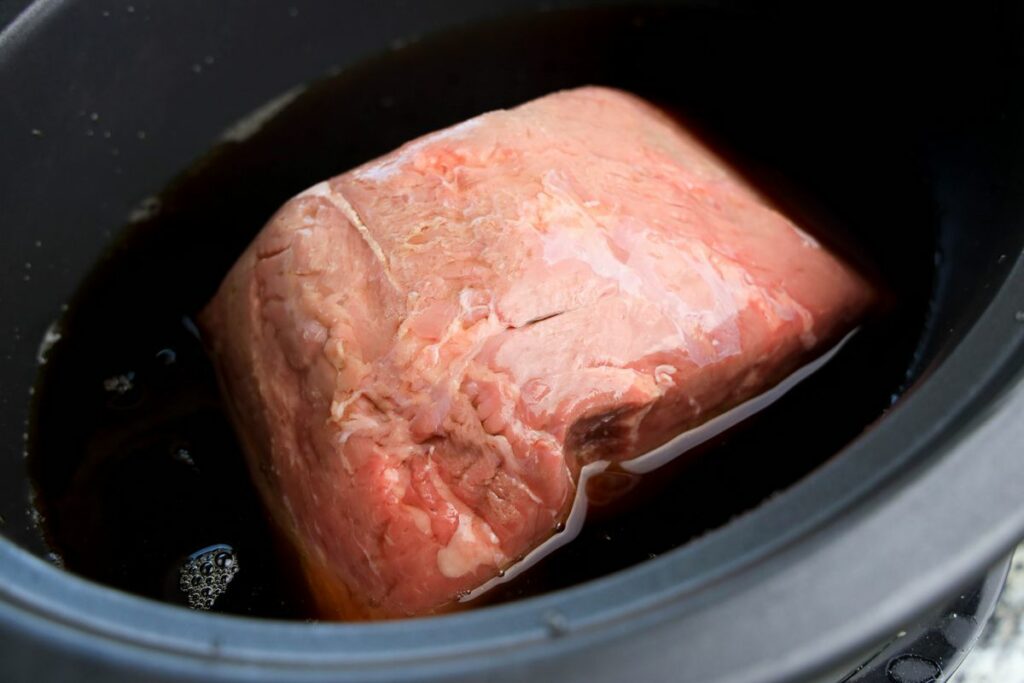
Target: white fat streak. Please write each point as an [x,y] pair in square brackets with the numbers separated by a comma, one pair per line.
[323,189]
[474,542]
[454,374]
[354,424]
[805,238]
[347,426]
[520,484]
[366,555]
[379,171]
[250,124]
[339,408]
[653,459]
[663,375]
[393,480]
[467,306]
[420,518]
[469,547]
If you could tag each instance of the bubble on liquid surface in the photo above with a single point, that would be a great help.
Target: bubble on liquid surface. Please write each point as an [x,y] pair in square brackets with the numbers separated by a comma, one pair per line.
[120,384]
[183,455]
[166,356]
[123,391]
[206,574]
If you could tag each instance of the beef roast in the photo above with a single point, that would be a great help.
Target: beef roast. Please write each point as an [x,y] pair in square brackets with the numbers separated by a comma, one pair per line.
[421,354]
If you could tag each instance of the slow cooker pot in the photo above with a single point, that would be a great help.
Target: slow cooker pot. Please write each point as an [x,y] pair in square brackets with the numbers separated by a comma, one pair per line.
[863,102]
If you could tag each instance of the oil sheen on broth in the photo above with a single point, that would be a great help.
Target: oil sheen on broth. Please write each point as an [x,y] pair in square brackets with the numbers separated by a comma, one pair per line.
[139,480]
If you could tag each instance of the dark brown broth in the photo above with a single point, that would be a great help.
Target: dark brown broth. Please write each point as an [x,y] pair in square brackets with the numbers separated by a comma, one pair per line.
[133,460]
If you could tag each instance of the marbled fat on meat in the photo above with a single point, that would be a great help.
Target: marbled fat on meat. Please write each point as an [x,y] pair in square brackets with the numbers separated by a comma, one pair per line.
[420,354]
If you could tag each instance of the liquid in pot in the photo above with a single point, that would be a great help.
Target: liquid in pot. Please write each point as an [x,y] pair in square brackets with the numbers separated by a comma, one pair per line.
[140,481]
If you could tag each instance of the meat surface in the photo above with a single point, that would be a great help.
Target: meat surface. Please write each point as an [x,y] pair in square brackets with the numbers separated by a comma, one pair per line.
[421,354]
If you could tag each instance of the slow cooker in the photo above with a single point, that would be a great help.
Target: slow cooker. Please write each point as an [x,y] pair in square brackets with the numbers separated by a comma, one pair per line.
[866,104]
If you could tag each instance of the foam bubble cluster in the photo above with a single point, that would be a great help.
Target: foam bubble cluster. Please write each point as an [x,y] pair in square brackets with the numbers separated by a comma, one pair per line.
[206,574]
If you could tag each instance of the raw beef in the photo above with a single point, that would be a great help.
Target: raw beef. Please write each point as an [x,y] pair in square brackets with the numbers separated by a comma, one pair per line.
[421,354]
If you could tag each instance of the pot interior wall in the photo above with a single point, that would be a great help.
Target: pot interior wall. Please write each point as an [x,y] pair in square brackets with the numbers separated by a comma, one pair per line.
[900,133]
